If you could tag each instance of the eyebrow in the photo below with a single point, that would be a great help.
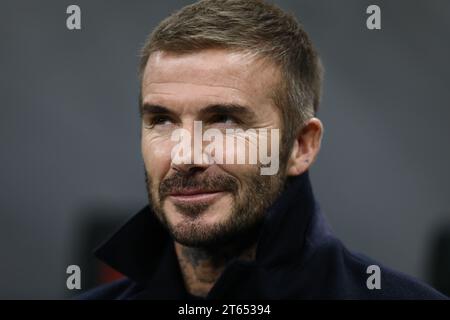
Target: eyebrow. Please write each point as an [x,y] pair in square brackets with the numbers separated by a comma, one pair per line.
[217,108]
[228,109]
[152,108]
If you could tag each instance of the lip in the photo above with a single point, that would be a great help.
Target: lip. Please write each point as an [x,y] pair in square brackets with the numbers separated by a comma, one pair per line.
[196,196]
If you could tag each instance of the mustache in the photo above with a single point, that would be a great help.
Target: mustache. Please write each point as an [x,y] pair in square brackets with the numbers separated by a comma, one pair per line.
[179,182]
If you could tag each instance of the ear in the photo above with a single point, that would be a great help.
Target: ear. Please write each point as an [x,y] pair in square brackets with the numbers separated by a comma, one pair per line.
[306,147]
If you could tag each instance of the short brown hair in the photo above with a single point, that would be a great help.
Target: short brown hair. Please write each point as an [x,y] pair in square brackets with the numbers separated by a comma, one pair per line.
[252,26]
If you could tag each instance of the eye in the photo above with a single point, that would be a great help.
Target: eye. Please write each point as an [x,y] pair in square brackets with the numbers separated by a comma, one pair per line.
[158,120]
[224,118]
[162,120]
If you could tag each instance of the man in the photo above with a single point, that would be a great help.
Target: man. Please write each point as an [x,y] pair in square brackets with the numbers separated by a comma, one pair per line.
[228,229]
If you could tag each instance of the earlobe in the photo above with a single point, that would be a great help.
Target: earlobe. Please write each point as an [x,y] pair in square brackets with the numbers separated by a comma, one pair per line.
[306,147]
[293,168]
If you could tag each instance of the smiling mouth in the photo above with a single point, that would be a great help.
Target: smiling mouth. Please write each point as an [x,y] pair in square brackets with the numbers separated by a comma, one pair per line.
[196,196]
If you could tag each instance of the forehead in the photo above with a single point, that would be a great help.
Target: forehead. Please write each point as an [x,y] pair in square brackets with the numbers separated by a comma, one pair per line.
[209,74]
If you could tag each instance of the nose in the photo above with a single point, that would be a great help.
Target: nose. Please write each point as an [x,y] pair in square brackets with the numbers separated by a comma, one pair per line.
[189,155]
[189,169]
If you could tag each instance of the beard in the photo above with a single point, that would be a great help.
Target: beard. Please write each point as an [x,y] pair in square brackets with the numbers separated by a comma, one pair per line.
[251,196]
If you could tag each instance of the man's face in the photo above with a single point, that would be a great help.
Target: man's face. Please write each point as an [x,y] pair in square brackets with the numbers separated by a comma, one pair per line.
[207,204]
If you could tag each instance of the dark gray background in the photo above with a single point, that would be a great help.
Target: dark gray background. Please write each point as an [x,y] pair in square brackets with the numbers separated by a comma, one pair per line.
[69,128]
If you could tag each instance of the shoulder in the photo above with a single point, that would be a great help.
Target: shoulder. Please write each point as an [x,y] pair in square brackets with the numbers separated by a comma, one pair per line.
[351,275]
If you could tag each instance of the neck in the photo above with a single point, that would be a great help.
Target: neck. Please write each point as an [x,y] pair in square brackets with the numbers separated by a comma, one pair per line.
[202,267]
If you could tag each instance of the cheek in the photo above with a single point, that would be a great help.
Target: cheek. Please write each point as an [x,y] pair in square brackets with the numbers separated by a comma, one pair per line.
[242,172]
[250,149]
[156,152]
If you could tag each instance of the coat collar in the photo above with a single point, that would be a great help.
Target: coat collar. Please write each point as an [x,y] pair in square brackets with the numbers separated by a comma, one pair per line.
[143,250]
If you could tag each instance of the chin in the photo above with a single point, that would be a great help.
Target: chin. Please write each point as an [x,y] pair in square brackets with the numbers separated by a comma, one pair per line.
[197,234]
[203,230]
[209,218]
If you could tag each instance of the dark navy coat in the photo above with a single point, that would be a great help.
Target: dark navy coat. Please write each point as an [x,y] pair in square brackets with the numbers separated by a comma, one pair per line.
[297,257]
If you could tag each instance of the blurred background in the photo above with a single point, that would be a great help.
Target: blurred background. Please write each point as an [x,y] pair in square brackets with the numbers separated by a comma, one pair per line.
[71,170]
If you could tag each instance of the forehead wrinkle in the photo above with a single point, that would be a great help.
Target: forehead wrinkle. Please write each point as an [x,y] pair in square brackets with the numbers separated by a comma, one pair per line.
[204,95]
[236,96]
[239,77]
[198,84]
